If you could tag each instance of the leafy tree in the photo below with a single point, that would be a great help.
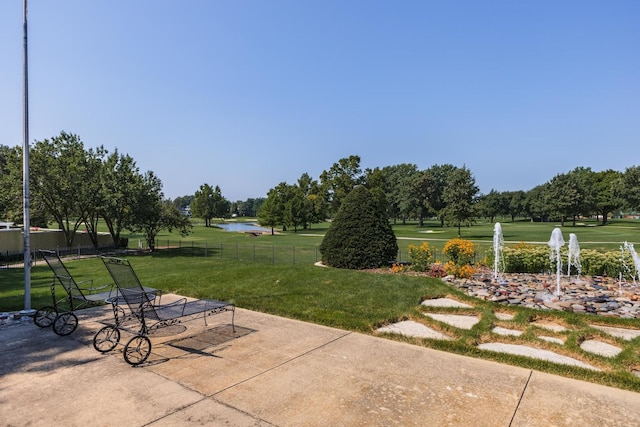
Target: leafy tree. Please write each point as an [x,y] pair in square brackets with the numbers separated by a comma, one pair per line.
[360,235]
[11,184]
[459,196]
[516,203]
[203,204]
[95,193]
[340,179]
[318,204]
[564,195]
[183,202]
[537,204]
[121,184]
[277,208]
[430,187]
[630,188]
[151,214]
[491,205]
[296,211]
[61,173]
[606,197]
[270,213]
[399,191]
[221,206]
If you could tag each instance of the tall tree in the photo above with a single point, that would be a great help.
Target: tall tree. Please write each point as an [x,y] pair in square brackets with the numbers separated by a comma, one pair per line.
[152,214]
[516,203]
[121,184]
[340,179]
[95,192]
[271,213]
[399,192]
[537,204]
[11,184]
[605,195]
[203,204]
[630,188]
[459,196]
[490,205]
[60,181]
[429,186]
[569,196]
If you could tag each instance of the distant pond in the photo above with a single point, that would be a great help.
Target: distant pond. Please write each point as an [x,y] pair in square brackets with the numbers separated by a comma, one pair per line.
[242,227]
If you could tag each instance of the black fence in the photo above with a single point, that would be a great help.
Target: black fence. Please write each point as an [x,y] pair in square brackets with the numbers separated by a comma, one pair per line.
[268,254]
[256,253]
[16,259]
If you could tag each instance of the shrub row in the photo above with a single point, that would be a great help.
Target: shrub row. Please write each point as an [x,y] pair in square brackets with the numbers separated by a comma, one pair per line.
[523,258]
[537,259]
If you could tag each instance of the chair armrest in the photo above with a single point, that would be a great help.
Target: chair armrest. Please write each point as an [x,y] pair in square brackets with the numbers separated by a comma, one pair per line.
[100,288]
[181,301]
[90,287]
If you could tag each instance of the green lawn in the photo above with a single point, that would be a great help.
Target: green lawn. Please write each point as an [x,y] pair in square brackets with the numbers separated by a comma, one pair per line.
[355,300]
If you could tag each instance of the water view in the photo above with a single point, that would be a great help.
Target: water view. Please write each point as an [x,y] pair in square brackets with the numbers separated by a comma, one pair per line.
[242,227]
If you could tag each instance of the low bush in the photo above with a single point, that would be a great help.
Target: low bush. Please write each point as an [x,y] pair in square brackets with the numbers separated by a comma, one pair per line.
[420,256]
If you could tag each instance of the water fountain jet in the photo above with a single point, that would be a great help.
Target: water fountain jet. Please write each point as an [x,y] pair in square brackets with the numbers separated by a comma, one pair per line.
[574,255]
[498,244]
[555,243]
[628,247]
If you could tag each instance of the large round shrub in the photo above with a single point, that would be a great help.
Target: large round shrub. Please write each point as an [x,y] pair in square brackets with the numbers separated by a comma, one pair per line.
[360,235]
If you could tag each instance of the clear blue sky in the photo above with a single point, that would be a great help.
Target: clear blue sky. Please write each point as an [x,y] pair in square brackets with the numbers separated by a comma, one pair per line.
[245,94]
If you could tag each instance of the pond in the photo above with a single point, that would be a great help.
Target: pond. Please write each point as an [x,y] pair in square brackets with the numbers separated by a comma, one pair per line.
[242,227]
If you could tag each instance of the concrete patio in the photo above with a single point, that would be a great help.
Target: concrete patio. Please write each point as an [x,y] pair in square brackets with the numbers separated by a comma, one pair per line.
[280,372]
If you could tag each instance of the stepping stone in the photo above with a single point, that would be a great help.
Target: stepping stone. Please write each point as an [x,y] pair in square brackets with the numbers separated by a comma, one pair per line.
[504,331]
[504,316]
[551,339]
[459,321]
[601,348]
[550,326]
[413,329]
[444,302]
[536,353]
[625,334]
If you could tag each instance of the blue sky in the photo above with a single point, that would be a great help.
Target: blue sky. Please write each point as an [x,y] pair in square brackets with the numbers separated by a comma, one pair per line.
[247,94]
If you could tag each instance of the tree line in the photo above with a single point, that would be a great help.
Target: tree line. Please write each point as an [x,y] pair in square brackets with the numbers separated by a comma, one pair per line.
[75,187]
[449,194]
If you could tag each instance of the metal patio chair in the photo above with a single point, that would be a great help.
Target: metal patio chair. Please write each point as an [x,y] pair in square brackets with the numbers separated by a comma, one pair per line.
[61,315]
[149,313]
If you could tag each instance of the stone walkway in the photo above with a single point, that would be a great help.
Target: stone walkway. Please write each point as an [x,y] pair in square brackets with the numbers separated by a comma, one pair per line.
[546,331]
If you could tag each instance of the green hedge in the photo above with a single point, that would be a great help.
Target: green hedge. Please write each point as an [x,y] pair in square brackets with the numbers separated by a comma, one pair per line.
[537,259]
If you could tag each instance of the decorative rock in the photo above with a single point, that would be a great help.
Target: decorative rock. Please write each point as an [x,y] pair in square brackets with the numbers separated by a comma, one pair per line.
[444,302]
[601,296]
[601,348]
[462,322]
[413,329]
[625,334]
[551,339]
[552,305]
[504,316]
[550,326]
[504,331]
[524,350]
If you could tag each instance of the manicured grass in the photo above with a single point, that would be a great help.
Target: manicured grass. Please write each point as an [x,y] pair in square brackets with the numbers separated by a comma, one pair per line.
[590,235]
[363,301]
[356,301]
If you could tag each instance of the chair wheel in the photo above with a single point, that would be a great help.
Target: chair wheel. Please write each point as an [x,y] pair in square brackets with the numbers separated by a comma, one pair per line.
[106,339]
[65,323]
[45,316]
[137,350]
